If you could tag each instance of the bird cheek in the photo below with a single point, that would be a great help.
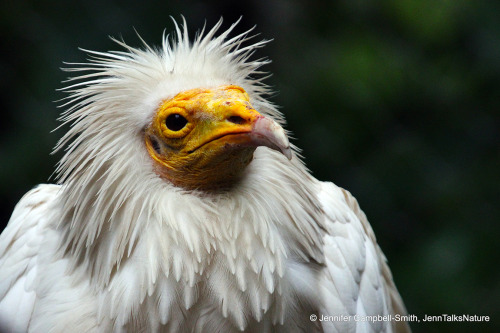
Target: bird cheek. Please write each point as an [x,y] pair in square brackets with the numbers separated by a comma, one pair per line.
[158,148]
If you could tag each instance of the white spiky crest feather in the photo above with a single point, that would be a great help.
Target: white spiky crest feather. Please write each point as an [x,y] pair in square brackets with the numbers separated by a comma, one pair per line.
[106,173]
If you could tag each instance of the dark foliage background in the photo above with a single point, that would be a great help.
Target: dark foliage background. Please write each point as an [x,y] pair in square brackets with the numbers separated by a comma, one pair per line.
[397,101]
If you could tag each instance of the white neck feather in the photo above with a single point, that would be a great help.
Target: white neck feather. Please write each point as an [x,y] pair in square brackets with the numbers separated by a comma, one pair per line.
[158,238]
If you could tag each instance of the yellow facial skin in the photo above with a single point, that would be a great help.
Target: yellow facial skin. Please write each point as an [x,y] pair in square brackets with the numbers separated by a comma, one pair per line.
[204,138]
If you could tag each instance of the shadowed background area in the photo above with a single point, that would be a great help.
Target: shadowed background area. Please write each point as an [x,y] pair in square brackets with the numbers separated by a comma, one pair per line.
[397,102]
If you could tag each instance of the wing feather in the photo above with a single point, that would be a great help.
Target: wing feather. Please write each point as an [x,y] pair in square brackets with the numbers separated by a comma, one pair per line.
[356,278]
[19,248]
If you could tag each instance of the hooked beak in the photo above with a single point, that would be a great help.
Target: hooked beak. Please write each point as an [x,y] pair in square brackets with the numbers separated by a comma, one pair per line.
[266,132]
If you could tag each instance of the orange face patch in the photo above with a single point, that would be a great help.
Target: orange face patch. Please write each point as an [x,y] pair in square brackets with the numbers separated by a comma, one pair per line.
[201,138]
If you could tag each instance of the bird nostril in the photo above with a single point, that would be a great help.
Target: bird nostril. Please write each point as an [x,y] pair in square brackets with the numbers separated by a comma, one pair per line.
[236,120]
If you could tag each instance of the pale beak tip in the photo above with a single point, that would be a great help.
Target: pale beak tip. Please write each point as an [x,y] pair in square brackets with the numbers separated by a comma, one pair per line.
[269,133]
[287,152]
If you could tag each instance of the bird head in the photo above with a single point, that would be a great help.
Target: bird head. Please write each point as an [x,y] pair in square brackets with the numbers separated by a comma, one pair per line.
[190,114]
[203,138]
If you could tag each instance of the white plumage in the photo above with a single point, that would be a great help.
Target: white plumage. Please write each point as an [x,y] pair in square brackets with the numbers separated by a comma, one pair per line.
[115,247]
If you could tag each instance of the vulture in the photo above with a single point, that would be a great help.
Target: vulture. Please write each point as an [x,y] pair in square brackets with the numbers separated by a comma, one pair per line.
[181,206]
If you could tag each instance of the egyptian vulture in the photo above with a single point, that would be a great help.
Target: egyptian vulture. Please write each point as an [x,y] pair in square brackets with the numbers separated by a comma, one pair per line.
[181,206]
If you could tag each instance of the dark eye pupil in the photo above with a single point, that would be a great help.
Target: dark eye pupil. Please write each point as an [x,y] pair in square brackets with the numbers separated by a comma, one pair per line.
[175,122]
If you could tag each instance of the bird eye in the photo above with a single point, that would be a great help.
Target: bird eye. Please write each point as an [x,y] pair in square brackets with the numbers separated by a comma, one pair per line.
[175,122]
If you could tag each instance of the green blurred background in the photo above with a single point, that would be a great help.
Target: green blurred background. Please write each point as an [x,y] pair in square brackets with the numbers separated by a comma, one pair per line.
[397,101]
